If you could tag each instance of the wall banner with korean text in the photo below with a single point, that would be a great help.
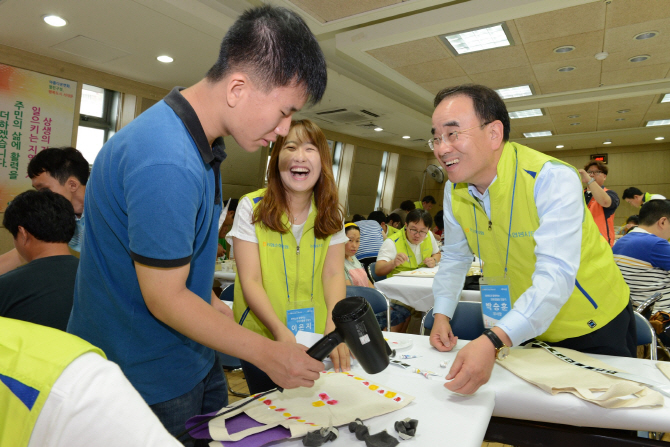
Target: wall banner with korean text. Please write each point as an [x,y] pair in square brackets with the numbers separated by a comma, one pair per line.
[36,112]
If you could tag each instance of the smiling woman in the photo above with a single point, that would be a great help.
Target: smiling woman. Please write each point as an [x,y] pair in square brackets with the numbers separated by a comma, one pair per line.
[289,245]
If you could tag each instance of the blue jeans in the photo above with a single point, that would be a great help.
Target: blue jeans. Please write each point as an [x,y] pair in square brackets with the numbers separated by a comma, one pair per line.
[211,394]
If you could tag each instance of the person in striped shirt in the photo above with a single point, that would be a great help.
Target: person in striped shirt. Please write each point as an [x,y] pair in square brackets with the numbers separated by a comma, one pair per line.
[643,255]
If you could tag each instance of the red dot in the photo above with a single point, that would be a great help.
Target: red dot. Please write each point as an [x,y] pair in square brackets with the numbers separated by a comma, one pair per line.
[332,402]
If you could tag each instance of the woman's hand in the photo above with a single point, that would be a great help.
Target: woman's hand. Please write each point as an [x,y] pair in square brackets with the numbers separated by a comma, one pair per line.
[341,358]
[284,334]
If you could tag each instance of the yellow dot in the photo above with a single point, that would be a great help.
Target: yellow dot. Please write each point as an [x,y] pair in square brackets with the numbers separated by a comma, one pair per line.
[318,403]
[287,415]
[373,387]
[301,420]
[272,407]
[389,394]
[358,378]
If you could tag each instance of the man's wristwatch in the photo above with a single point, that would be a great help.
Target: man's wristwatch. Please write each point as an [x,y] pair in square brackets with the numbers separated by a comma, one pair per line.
[502,350]
[590,181]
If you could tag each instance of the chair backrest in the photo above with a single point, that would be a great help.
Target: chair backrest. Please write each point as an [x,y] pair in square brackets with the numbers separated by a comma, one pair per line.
[373,296]
[467,323]
[228,294]
[645,334]
[373,275]
[427,321]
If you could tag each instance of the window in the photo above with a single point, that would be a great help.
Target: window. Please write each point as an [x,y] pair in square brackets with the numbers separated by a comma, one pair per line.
[337,156]
[97,119]
[382,177]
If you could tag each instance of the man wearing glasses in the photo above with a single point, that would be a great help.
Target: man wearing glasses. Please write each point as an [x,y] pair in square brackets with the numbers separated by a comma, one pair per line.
[413,248]
[522,213]
[602,202]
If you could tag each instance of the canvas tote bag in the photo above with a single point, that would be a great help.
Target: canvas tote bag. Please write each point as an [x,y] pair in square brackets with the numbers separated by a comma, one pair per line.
[335,399]
[541,368]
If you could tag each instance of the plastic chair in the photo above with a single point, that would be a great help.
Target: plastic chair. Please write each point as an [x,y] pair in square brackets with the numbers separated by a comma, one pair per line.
[645,334]
[377,299]
[373,276]
[427,322]
[228,294]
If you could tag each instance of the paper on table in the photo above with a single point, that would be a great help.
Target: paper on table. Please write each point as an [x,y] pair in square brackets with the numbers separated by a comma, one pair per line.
[420,273]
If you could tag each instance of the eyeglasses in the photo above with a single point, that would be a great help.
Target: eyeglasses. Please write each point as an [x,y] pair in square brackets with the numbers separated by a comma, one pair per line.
[414,231]
[593,173]
[451,137]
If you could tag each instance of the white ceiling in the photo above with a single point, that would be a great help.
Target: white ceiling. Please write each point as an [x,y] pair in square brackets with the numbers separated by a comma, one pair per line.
[375,50]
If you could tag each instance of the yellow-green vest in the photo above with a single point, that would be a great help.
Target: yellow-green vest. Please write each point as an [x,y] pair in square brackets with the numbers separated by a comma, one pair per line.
[390,231]
[402,246]
[600,292]
[32,358]
[282,266]
[418,205]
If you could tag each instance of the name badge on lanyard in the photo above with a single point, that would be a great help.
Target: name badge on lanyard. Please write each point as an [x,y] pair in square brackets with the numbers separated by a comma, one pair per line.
[300,319]
[496,300]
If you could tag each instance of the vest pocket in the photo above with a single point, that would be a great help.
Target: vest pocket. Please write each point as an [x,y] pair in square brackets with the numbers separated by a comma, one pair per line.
[588,297]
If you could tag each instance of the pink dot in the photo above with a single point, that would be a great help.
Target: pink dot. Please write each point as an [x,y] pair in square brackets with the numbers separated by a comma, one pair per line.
[267,402]
[323,396]
[280,409]
[381,391]
[294,417]
[332,402]
[366,383]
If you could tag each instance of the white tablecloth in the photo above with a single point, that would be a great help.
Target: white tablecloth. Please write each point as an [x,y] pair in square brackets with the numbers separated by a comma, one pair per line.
[444,418]
[417,292]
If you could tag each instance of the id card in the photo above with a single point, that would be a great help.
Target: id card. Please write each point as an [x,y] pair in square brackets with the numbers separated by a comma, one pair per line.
[496,300]
[300,319]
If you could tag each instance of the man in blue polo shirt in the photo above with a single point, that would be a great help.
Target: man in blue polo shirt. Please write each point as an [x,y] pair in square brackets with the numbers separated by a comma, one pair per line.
[143,291]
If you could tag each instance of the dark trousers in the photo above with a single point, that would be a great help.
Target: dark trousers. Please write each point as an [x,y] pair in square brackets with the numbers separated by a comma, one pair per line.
[618,337]
[257,380]
[211,394]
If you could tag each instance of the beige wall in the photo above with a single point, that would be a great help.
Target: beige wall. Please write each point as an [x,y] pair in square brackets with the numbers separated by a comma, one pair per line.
[646,167]
[364,180]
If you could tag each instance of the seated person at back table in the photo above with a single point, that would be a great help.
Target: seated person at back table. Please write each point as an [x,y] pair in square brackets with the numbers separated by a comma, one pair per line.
[224,248]
[381,219]
[394,223]
[42,223]
[637,198]
[413,248]
[643,255]
[438,229]
[372,238]
[355,275]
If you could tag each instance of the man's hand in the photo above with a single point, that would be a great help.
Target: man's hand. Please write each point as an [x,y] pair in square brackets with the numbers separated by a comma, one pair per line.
[430,262]
[472,367]
[442,337]
[341,358]
[585,177]
[289,366]
[400,258]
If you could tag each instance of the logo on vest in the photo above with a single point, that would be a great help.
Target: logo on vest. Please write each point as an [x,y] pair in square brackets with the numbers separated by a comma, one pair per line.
[273,245]
[523,234]
[592,324]
[479,232]
[316,246]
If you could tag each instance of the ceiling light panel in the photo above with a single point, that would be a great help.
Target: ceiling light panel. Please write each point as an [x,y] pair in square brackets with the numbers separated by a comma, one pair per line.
[478,39]
[525,113]
[544,133]
[658,123]
[515,92]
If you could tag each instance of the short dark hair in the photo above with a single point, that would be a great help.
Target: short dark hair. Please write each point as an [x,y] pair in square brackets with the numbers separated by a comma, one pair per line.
[429,199]
[233,204]
[634,219]
[439,220]
[394,217]
[378,216]
[419,215]
[276,48]
[630,193]
[357,218]
[488,105]
[599,164]
[407,205]
[653,210]
[46,215]
[61,163]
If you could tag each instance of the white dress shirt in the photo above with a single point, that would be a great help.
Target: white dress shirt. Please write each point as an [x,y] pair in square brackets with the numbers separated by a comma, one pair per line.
[560,207]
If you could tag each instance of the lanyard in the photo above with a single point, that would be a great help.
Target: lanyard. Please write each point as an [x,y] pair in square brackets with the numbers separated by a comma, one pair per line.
[509,230]
[288,295]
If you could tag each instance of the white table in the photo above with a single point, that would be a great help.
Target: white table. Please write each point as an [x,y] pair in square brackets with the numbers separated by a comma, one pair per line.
[417,292]
[445,417]
[225,278]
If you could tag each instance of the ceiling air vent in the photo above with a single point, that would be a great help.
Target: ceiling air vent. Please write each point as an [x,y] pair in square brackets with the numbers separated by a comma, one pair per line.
[342,116]
[367,112]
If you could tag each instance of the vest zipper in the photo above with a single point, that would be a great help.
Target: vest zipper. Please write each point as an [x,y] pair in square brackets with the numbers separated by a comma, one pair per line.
[297,269]
[490,225]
